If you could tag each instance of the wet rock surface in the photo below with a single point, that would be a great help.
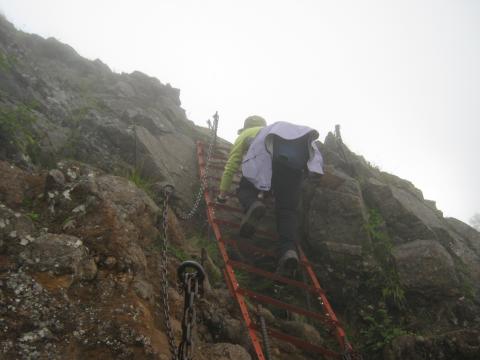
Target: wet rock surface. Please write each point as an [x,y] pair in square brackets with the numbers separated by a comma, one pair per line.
[81,251]
[82,279]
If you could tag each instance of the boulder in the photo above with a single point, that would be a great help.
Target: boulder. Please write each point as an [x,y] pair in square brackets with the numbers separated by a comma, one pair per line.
[459,344]
[406,217]
[59,254]
[426,268]
[337,216]
[13,185]
[225,351]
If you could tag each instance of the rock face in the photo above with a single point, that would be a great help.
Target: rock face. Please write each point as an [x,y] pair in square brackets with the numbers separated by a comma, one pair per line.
[424,266]
[80,273]
[80,248]
[67,106]
[389,256]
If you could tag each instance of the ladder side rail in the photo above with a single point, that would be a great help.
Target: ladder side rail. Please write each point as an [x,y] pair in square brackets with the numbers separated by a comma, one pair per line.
[339,332]
[229,273]
[237,292]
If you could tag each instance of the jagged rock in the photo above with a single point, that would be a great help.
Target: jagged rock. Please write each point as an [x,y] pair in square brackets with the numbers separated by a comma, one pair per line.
[471,235]
[117,221]
[461,344]
[144,289]
[55,181]
[110,262]
[12,193]
[425,267]
[14,226]
[337,216]
[465,244]
[405,215]
[60,255]
[225,351]
[118,123]
[83,110]
[302,330]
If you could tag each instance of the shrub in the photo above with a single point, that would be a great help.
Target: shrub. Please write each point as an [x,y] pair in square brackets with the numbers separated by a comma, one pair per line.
[16,127]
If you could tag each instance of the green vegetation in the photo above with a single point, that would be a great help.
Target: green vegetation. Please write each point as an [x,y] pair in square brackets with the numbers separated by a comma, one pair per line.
[465,278]
[141,182]
[210,247]
[16,127]
[382,320]
[373,166]
[34,216]
[177,252]
[381,249]
[7,62]
[379,331]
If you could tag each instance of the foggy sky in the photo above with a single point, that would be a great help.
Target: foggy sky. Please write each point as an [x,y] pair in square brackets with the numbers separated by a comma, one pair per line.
[401,77]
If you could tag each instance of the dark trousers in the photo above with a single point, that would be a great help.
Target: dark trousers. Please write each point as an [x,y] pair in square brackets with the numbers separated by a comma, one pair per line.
[286,186]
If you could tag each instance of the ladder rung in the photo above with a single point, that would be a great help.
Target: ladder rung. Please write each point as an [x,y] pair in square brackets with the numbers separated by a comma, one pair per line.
[215,191]
[298,342]
[237,225]
[204,162]
[216,166]
[269,201]
[222,148]
[329,318]
[216,156]
[227,207]
[279,304]
[224,207]
[255,249]
[273,276]
[216,178]
[248,247]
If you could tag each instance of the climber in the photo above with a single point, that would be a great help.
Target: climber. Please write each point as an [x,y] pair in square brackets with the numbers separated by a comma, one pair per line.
[274,157]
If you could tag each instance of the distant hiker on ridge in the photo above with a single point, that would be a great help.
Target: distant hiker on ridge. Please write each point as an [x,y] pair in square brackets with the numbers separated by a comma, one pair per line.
[274,157]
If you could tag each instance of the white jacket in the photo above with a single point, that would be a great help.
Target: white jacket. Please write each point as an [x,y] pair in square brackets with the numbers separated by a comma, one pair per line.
[257,162]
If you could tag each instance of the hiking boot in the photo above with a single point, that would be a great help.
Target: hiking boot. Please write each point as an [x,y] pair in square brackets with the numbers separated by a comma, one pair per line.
[252,217]
[288,263]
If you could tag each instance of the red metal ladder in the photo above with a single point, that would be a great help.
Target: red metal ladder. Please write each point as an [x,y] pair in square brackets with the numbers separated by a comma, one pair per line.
[327,317]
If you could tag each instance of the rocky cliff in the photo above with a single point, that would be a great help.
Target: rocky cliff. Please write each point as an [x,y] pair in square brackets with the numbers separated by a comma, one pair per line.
[83,152]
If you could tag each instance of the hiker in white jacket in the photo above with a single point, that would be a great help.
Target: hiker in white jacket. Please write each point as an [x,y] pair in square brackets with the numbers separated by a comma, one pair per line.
[278,159]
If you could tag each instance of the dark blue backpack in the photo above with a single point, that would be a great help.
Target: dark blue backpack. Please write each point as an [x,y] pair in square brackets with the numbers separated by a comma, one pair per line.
[291,153]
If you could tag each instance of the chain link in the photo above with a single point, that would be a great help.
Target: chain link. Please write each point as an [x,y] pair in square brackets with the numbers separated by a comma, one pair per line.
[190,280]
[204,179]
[191,290]
[166,307]
[191,285]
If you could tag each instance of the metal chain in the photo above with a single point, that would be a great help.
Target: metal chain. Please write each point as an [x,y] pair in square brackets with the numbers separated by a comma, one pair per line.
[166,308]
[203,180]
[266,341]
[191,286]
[190,279]
[191,282]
